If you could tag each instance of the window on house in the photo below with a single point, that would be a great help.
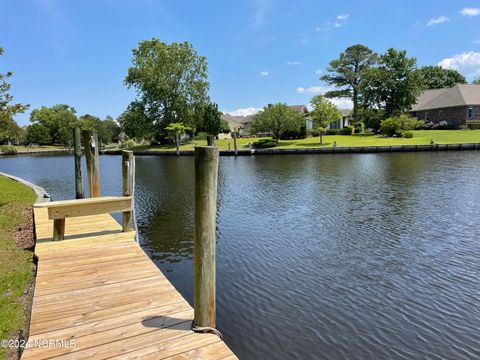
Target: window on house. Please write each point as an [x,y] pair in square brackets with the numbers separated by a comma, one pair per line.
[470,112]
[427,116]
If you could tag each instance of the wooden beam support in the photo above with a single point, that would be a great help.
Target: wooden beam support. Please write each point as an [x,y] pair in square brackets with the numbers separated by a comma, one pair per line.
[58,229]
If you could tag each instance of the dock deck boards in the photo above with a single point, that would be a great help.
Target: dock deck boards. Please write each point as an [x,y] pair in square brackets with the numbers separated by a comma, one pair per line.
[100,293]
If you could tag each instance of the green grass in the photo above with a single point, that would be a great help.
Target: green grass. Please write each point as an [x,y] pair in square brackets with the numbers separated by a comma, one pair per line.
[420,137]
[15,264]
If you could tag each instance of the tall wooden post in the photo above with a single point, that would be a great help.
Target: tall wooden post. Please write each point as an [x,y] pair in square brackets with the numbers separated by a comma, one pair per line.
[77,153]
[177,142]
[128,172]
[209,140]
[206,175]
[90,142]
[235,143]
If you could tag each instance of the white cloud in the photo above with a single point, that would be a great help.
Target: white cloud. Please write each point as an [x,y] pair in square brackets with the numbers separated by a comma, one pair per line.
[470,12]
[341,20]
[294,62]
[437,21]
[261,9]
[468,63]
[318,72]
[244,111]
[264,73]
[342,103]
[310,90]
[477,41]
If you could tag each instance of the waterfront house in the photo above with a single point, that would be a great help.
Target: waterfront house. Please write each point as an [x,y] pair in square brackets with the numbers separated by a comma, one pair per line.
[457,106]
[343,121]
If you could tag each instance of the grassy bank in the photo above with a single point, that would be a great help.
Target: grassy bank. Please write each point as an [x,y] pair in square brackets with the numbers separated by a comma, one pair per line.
[421,137]
[16,263]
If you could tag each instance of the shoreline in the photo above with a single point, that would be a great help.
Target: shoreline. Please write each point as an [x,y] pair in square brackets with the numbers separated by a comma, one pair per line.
[329,150]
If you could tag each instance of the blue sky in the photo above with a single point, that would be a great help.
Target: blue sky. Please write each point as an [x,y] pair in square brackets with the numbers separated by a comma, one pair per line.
[258,51]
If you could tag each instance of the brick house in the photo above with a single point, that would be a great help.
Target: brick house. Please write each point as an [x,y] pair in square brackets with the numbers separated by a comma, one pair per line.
[458,106]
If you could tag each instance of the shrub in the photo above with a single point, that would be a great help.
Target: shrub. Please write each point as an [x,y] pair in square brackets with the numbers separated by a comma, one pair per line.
[7,150]
[474,126]
[332,132]
[347,130]
[390,127]
[409,123]
[360,127]
[264,144]
[129,144]
[313,132]
[201,136]
[408,134]
[292,135]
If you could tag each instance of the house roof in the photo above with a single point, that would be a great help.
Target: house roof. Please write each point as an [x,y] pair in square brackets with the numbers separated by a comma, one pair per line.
[237,120]
[345,112]
[300,108]
[458,95]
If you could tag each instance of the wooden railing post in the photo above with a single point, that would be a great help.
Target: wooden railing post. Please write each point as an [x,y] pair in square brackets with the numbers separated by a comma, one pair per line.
[206,175]
[235,143]
[78,163]
[128,172]
[90,142]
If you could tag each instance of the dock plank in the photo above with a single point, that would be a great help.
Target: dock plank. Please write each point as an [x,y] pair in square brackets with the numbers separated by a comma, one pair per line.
[100,290]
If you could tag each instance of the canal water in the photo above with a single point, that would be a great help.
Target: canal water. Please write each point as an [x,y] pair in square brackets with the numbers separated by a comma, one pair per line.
[368,256]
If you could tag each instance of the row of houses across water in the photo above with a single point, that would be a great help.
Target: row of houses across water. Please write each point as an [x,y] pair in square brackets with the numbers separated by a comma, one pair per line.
[458,106]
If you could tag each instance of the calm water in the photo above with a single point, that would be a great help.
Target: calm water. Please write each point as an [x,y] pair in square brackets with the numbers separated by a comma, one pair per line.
[373,256]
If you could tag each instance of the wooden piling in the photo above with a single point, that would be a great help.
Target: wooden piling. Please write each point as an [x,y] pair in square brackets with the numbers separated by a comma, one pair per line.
[235,143]
[210,140]
[206,175]
[90,142]
[128,172]
[77,153]
[177,143]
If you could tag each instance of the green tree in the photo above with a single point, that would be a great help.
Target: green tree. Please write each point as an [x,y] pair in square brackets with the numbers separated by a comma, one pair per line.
[9,130]
[212,120]
[324,112]
[109,131]
[89,122]
[58,119]
[347,72]
[135,123]
[393,85]
[177,129]
[38,134]
[171,82]
[277,119]
[436,77]
[476,81]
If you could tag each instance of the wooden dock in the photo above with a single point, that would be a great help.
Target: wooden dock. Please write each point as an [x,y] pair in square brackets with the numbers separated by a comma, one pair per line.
[98,295]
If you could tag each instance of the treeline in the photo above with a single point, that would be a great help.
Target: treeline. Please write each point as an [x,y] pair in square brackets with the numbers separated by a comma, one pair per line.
[382,85]
[53,125]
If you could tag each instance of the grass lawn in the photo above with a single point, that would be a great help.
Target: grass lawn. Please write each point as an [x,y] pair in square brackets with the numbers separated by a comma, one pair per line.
[21,149]
[420,137]
[16,264]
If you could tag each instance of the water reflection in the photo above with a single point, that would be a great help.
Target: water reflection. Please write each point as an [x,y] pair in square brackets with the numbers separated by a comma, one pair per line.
[372,256]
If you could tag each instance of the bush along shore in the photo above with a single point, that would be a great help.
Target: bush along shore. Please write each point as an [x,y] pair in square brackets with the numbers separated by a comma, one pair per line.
[17,266]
